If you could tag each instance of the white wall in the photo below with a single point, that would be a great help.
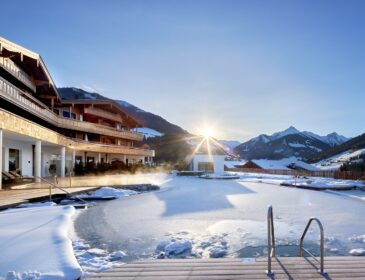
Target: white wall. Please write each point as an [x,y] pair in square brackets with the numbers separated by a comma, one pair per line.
[218,162]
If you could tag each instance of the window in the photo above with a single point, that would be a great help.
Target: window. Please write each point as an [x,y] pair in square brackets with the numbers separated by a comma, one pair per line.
[206,166]
[66,114]
[78,159]
[14,159]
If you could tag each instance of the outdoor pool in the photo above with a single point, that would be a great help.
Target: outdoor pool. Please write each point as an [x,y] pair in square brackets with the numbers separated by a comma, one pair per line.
[192,217]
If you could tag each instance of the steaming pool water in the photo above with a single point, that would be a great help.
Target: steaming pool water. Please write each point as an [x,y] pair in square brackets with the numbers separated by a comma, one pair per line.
[193,217]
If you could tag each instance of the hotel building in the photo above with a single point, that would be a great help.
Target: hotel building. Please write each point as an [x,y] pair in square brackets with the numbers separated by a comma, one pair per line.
[41,134]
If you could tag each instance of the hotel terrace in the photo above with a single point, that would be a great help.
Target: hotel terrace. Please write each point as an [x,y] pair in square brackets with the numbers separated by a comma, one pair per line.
[42,135]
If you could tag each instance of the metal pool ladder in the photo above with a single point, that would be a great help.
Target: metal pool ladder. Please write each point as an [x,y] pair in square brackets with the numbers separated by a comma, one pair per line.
[302,249]
[271,242]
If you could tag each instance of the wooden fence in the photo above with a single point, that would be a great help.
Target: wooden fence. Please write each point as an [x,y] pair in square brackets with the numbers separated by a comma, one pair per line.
[348,175]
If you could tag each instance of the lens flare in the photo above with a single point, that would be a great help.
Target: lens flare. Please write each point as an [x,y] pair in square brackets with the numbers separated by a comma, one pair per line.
[207,133]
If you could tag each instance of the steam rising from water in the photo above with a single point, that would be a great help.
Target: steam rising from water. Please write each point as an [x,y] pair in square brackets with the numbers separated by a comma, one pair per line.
[119,179]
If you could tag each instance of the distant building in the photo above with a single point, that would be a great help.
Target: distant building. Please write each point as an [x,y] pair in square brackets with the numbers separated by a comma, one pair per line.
[41,134]
[207,163]
[281,164]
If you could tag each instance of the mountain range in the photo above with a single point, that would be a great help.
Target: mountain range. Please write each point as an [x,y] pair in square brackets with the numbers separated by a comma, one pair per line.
[287,143]
[290,142]
[354,144]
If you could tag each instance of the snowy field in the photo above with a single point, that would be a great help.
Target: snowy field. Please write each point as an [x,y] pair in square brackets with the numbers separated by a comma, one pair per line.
[34,243]
[189,217]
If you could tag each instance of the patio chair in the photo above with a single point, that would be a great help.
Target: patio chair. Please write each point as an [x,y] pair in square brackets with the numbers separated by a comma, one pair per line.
[18,176]
[8,178]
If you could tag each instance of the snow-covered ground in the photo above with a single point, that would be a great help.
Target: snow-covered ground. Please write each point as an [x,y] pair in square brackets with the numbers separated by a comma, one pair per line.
[335,162]
[199,218]
[189,217]
[34,243]
[313,182]
[107,192]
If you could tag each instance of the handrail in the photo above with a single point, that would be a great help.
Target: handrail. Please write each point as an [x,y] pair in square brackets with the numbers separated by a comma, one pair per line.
[302,250]
[55,185]
[17,72]
[270,240]
[107,145]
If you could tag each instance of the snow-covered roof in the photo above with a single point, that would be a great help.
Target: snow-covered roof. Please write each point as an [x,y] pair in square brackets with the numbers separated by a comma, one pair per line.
[234,163]
[283,164]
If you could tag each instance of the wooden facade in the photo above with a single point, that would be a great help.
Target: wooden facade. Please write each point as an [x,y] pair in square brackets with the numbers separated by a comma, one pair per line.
[48,133]
[25,83]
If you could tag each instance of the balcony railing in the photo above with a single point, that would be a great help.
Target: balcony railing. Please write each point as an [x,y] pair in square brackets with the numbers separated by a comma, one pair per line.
[104,114]
[34,106]
[17,72]
[17,124]
[116,148]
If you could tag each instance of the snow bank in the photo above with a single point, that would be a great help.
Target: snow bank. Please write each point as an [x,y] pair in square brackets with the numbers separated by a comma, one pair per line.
[357,252]
[220,176]
[310,182]
[37,204]
[93,260]
[218,252]
[324,183]
[108,191]
[34,241]
[175,248]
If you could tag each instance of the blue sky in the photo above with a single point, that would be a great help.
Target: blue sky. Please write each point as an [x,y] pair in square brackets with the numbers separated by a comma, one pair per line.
[242,67]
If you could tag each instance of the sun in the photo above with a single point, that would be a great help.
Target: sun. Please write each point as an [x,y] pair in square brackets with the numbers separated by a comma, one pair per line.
[207,133]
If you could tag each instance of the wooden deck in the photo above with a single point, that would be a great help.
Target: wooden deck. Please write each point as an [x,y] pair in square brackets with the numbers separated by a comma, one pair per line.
[12,198]
[214,269]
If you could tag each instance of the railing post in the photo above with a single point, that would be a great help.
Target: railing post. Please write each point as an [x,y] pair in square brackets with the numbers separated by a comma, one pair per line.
[55,180]
[50,193]
[322,247]
[270,240]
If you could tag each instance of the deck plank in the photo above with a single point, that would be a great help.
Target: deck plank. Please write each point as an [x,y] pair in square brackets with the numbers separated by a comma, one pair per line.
[340,268]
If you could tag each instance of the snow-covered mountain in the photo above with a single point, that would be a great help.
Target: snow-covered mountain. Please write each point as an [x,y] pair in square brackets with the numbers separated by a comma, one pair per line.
[148,132]
[231,144]
[149,120]
[350,152]
[288,131]
[333,139]
[287,143]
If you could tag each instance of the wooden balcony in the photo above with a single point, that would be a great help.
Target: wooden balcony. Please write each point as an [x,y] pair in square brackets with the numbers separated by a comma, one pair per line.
[17,72]
[113,149]
[17,124]
[29,103]
[104,114]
